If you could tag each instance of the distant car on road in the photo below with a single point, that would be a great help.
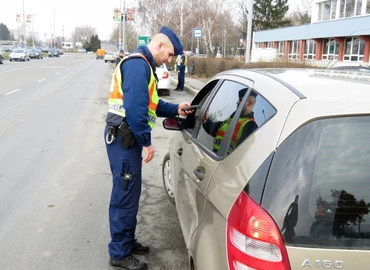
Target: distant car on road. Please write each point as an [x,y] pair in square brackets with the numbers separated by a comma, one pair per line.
[36,53]
[164,80]
[60,51]
[110,57]
[19,55]
[53,53]
[1,58]
[100,53]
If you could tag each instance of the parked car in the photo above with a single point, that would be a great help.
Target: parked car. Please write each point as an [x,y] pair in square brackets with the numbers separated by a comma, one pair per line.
[19,55]
[295,193]
[36,53]
[53,53]
[164,80]
[60,51]
[1,57]
[110,57]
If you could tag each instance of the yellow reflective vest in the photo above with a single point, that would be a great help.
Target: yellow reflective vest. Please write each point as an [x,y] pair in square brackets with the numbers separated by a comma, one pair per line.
[238,131]
[116,95]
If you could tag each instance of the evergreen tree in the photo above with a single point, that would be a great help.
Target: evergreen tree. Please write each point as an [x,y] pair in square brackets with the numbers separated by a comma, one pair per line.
[270,14]
[94,43]
[4,32]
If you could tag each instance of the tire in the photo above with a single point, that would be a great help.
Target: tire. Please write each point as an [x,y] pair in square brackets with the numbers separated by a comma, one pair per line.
[10,60]
[105,61]
[166,176]
[1,60]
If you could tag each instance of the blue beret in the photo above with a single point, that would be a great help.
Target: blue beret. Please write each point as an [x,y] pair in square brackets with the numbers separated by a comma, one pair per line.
[174,40]
[243,91]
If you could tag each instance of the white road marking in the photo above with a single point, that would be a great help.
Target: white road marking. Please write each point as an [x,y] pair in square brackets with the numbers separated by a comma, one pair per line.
[41,80]
[17,69]
[11,92]
[57,73]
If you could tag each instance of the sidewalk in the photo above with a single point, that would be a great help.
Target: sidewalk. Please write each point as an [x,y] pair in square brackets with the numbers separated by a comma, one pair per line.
[191,85]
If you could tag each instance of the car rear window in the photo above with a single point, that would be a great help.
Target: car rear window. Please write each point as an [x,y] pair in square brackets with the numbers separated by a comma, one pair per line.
[318,188]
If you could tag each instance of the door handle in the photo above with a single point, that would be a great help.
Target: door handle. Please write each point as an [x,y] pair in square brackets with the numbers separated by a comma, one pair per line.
[199,173]
[179,152]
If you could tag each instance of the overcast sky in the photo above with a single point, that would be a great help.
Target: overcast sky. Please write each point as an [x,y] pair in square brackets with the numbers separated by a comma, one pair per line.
[68,15]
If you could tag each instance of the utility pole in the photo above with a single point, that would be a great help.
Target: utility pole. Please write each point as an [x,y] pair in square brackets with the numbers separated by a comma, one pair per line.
[249,32]
[54,29]
[24,25]
[124,26]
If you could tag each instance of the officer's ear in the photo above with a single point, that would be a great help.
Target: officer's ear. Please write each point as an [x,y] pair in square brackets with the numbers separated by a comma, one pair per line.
[160,45]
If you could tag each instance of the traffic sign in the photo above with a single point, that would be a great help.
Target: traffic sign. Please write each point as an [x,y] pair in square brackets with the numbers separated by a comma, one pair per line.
[198,33]
[143,40]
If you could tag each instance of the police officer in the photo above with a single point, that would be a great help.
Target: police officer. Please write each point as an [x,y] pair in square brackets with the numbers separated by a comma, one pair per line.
[245,126]
[181,62]
[133,108]
[120,56]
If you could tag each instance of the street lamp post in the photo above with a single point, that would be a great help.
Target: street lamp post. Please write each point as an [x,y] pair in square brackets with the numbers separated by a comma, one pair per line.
[249,31]
[51,34]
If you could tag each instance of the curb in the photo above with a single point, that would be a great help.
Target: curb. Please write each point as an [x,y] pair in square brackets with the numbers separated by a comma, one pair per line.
[188,88]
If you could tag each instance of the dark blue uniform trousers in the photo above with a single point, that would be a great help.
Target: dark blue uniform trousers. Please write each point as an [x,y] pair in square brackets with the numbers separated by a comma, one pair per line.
[181,78]
[124,204]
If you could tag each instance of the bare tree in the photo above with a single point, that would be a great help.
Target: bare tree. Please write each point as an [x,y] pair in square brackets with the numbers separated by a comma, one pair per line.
[83,33]
[131,36]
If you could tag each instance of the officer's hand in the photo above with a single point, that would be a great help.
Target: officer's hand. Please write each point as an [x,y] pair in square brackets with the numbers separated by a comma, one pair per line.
[184,105]
[149,153]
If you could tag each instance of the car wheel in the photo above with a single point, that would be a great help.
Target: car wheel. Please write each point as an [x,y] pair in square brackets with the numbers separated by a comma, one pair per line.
[167,180]
[105,61]
[1,60]
[10,60]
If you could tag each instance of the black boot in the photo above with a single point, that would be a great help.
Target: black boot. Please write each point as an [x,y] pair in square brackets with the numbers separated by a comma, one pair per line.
[138,248]
[129,263]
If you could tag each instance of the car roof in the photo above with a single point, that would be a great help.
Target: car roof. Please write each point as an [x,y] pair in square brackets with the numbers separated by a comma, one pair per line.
[317,83]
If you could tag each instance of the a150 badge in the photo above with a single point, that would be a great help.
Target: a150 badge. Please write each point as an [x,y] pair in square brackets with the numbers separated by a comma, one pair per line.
[323,264]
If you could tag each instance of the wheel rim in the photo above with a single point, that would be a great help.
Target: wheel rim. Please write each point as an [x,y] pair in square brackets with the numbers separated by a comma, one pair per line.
[167,178]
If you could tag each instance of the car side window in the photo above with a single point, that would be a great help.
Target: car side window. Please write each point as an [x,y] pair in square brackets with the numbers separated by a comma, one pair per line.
[200,99]
[221,110]
[253,111]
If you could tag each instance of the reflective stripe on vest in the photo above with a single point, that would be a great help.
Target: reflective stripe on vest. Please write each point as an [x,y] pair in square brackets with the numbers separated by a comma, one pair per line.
[116,96]
[238,131]
[178,60]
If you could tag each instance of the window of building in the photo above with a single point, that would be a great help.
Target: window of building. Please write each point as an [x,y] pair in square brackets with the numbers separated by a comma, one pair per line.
[327,10]
[330,49]
[270,45]
[350,8]
[368,7]
[281,48]
[310,49]
[258,45]
[354,50]
[294,49]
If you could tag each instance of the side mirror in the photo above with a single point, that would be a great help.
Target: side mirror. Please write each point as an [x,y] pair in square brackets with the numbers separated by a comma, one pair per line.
[173,123]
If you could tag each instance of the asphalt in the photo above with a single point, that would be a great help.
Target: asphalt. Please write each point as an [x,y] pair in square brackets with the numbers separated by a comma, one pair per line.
[192,85]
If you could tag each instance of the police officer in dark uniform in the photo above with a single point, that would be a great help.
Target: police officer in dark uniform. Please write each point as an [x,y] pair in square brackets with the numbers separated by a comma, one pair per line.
[181,65]
[133,108]
[120,56]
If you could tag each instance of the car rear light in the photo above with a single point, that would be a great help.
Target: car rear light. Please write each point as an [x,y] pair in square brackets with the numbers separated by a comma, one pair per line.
[165,75]
[254,240]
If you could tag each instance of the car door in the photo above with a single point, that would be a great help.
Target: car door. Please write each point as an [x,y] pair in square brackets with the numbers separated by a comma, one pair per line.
[198,159]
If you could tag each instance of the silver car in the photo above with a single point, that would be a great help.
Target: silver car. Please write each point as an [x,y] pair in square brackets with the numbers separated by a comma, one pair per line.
[294,193]
[19,55]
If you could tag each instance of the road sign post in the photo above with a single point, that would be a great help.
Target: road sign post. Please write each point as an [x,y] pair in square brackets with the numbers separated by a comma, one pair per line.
[197,33]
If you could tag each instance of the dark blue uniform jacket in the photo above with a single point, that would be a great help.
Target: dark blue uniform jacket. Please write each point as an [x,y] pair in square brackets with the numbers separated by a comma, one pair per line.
[136,76]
